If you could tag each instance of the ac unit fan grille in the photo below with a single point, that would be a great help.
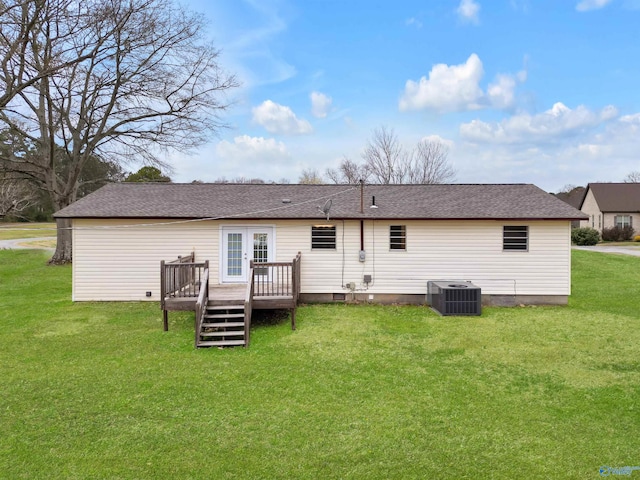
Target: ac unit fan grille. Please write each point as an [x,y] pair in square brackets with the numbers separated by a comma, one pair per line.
[455,298]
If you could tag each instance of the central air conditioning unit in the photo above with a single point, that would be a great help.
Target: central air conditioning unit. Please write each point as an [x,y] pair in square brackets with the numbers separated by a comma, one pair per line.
[454,297]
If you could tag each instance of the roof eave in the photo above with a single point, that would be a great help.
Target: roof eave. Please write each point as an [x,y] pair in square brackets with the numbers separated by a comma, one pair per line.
[319,218]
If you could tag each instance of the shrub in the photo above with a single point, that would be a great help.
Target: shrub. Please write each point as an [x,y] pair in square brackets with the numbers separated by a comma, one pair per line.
[617,234]
[585,236]
[636,238]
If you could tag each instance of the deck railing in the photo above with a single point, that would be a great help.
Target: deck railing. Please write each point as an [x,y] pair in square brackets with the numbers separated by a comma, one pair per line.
[248,307]
[182,277]
[201,304]
[276,279]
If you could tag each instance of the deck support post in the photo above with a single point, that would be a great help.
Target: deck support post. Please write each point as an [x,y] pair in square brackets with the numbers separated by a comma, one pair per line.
[165,320]
[293,318]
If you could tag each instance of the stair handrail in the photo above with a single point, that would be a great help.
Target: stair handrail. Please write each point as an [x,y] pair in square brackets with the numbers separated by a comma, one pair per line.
[201,303]
[248,305]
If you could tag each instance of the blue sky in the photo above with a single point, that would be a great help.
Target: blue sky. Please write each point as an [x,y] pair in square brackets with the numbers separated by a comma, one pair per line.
[542,92]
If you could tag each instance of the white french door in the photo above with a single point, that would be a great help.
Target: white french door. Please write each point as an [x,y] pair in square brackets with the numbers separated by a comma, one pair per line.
[239,246]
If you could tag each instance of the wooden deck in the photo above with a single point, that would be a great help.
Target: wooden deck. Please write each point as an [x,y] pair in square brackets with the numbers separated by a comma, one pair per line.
[229,295]
[272,285]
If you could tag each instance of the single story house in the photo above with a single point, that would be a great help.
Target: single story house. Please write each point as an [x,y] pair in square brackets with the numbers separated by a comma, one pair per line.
[378,243]
[611,205]
[574,198]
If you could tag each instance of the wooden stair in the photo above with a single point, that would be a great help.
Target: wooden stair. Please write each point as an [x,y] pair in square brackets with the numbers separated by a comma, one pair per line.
[223,326]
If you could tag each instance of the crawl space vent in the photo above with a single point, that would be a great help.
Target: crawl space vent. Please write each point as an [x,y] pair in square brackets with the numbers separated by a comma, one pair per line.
[454,297]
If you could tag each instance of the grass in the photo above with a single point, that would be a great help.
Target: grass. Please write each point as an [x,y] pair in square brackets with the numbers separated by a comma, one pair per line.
[40,243]
[10,231]
[99,391]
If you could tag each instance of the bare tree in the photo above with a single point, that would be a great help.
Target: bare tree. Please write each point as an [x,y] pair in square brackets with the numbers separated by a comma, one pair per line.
[429,164]
[15,197]
[310,176]
[387,161]
[347,172]
[137,78]
[20,23]
[239,180]
[568,188]
[632,177]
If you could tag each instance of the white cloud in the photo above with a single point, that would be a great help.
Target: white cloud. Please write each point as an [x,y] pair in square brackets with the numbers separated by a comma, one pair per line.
[320,104]
[632,120]
[501,93]
[413,22]
[552,149]
[448,88]
[586,5]
[279,119]
[246,149]
[556,123]
[520,5]
[438,139]
[469,11]
[454,88]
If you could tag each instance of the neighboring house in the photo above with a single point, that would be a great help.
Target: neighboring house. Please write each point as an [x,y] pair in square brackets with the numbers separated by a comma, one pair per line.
[574,198]
[379,243]
[611,204]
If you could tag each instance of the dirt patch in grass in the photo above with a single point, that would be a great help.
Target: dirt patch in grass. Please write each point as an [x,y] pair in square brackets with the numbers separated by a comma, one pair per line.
[40,244]
[11,231]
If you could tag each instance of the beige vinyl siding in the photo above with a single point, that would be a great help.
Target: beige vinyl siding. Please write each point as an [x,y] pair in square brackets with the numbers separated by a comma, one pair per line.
[117,260]
[123,263]
[471,251]
[463,250]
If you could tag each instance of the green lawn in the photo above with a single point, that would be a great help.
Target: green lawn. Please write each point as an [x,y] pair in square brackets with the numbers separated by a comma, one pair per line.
[10,231]
[99,391]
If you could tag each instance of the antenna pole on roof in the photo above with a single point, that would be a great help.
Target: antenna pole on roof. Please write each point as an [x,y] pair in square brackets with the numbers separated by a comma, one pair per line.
[361,196]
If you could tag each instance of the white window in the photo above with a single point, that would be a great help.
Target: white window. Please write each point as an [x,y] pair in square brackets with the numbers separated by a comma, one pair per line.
[623,221]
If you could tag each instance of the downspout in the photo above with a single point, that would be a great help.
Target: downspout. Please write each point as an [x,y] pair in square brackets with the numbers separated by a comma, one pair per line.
[361,254]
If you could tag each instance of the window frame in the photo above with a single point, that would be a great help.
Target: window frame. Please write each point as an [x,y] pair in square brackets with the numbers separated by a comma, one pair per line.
[621,223]
[398,238]
[510,238]
[322,237]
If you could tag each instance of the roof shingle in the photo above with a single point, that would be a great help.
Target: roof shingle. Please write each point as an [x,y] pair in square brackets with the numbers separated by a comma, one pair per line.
[616,197]
[265,201]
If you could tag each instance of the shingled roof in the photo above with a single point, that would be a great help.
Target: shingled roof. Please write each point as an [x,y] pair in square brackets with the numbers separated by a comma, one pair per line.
[616,197]
[294,201]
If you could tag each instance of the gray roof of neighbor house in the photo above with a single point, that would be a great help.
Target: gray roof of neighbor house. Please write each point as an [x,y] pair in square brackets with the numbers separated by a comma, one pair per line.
[616,197]
[291,201]
[574,198]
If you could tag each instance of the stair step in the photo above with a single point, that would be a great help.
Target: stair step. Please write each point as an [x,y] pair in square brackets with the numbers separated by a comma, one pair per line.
[224,315]
[228,333]
[220,343]
[222,324]
[225,307]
